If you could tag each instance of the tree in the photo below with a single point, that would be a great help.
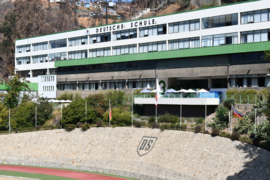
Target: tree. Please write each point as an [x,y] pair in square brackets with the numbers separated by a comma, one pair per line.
[75,112]
[14,84]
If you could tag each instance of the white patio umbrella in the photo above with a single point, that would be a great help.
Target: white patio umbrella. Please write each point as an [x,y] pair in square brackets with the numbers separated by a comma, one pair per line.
[171,91]
[202,91]
[68,101]
[145,91]
[190,91]
[182,91]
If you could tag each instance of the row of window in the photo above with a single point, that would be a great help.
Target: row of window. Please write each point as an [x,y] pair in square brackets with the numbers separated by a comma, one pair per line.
[207,41]
[209,22]
[48,88]
[255,16]
[184,26]
[109,84]
[47,78]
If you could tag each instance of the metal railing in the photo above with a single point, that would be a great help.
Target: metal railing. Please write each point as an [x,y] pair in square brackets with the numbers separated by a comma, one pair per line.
[178,96]
[247,99]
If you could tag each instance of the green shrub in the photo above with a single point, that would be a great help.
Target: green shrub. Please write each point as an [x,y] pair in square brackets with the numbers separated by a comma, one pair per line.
[243,125]
[173,126]
[262,130]
[48,127]
[198,129]
[65,96]
[235,135]
[164,127]
[155,125]
[119,116]
[168,118]
[177,126]
[69,127]
[199,120]
[16,130]
[85,127]
[137,124]
[184,127]
[224,134]
[79,124]
[122,124]
[221,119]
[105,124]
[38,127]
[215,132]
[99,123]
[229,102]
[75,112]
[245,139]
[152,119]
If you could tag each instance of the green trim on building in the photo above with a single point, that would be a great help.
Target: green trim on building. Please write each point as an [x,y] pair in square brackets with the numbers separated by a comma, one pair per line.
[195,52]
[32,86]
[144,18]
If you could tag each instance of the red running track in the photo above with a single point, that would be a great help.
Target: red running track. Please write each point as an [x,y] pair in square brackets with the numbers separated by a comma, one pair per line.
[57,172]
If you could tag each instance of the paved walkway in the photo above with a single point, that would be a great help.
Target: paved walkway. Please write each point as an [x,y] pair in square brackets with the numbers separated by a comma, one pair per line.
[57,172]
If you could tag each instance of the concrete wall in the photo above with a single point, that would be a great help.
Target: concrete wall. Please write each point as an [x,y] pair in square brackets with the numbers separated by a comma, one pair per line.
[173,155]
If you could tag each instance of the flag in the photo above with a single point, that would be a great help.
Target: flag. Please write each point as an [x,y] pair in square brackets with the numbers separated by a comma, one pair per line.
[236,113]
[110,113]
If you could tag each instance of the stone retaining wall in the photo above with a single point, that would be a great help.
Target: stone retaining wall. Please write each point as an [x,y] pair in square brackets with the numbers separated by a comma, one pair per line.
[169,155]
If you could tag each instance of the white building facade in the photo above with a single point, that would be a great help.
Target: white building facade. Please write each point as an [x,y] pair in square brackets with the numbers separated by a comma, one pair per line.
[214,48]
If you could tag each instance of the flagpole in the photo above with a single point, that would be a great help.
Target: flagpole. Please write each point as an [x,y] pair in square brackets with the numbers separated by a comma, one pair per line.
[132,108]
[180,116]
[231,117]
[255,123]
[109,112]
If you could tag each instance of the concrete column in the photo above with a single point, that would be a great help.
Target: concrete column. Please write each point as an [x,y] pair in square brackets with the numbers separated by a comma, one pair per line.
[31,74]
[245,82]
[126,84]
[209,83]
[48,71]
[254,82]
[77,85]
[267,82]
[100,85]
[232,80]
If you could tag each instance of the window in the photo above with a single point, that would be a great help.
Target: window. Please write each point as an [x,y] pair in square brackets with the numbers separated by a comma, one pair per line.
[184,26]
[128,49]
[153,30]
[220,21]
[58,56]
[39,72]
[184,43]
[220,39]
[58,43]
[40,46]
[25,74]
[48,88]
[97,38]
[40,59]
[254,57]
[254,36]
[77,54]
[23,60]
[24,48]
[126,34]
[100,52]
[255,16]
[67,86]
[153,47]
[47,78]
[77,41]
[141,84]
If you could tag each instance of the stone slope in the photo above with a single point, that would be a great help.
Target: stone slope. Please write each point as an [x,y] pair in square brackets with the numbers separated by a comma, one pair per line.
[175,154]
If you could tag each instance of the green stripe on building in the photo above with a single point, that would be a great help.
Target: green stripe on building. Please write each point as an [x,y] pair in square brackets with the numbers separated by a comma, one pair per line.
[32,86]
[184,53]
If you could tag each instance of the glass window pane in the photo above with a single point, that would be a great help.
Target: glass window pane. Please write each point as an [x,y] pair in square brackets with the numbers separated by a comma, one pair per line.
[264,16]
[257,17]
[250,38]
[264,36]
[257,37]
